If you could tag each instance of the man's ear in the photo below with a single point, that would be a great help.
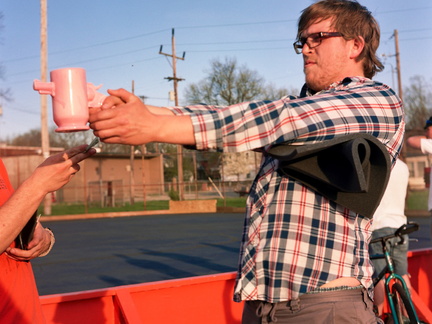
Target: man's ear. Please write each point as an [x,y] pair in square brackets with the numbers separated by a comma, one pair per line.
[357,47]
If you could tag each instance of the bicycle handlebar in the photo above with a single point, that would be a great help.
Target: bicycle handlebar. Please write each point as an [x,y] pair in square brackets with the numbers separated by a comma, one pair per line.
[404,229]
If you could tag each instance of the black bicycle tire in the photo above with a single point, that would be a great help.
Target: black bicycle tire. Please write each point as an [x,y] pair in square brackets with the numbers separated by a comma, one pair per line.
[397,289]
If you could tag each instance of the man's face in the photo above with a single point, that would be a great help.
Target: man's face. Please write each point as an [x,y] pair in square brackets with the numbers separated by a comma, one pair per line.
[327,63]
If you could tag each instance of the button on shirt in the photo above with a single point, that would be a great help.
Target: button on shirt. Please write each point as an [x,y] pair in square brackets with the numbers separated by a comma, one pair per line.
[295,240]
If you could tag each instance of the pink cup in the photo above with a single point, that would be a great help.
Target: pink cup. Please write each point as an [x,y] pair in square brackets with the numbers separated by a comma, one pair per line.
[71,98]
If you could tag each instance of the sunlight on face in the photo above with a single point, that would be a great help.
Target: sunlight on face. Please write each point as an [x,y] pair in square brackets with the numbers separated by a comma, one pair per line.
[328,62]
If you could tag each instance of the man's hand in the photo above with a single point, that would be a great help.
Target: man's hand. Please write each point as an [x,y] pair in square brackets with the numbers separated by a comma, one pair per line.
[38,245]
[124,119]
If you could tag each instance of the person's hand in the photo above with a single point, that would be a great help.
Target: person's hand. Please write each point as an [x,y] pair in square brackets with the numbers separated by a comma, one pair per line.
[38,245]
[58,170]
[123,119]
[51,175]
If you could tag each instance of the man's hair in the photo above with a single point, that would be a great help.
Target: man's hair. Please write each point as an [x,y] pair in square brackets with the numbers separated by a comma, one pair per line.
[351,20]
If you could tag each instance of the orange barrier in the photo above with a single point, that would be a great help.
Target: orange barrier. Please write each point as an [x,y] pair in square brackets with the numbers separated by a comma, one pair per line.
[204,299]
[420,269]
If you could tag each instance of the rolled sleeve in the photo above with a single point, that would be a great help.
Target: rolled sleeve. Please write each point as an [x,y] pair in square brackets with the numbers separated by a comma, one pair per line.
[207,135]
[205,124]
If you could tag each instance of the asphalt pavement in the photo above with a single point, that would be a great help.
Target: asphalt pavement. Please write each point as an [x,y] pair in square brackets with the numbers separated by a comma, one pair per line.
[100,253]
[106,252]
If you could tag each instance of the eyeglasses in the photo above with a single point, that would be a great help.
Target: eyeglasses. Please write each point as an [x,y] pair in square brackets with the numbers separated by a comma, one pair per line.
[313,40]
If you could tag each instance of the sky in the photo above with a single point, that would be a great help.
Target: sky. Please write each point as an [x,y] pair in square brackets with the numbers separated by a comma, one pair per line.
[117,42]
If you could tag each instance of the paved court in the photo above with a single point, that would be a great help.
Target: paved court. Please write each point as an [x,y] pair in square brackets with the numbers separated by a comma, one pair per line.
[107,252]
[99,253]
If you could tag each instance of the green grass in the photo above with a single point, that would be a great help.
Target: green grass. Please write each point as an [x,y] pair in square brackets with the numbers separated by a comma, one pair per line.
[74,209]
[417,200]
[231,202]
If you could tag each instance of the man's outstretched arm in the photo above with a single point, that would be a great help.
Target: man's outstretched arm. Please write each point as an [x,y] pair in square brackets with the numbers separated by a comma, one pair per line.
[415,141]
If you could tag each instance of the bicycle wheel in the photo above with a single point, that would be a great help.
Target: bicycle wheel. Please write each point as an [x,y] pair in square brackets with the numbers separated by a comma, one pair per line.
[404,310]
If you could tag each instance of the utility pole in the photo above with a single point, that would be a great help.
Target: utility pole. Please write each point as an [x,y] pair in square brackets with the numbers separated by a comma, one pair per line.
[398,65]
[45,146]
[175,82]
[132,166]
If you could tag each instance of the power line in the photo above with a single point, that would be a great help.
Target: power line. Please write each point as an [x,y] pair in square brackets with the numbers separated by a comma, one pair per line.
[239,24]
[109,42]
[31,112]
[415,30]
[240,42]
[88,46]
[243,49]
[202,44]
[401,10]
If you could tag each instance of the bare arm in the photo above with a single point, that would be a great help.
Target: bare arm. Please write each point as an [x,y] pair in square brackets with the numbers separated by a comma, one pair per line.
[415,141]
[159,110]
[51,175]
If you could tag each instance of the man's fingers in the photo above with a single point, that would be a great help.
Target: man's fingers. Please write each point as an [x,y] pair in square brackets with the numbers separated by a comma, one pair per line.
[102,114]
[117,97]
[111,101]
[122,94]
[20,255]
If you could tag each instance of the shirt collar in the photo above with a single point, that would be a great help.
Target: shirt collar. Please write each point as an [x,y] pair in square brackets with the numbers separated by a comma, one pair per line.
[306,91]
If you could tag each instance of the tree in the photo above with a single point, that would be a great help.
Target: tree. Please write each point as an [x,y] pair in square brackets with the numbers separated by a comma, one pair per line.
[417,103]
[271,92]
[228,83]
[65,140]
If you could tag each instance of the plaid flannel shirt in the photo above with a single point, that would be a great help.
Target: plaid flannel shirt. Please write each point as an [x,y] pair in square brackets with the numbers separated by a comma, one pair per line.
[294,239]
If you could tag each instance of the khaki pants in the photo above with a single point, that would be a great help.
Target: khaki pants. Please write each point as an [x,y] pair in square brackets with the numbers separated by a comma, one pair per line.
[329,307]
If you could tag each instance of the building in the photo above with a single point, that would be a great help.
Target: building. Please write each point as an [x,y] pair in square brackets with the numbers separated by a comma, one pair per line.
[106,179]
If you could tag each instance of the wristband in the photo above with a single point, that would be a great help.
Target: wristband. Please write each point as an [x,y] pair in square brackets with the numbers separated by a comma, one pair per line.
[51,243]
